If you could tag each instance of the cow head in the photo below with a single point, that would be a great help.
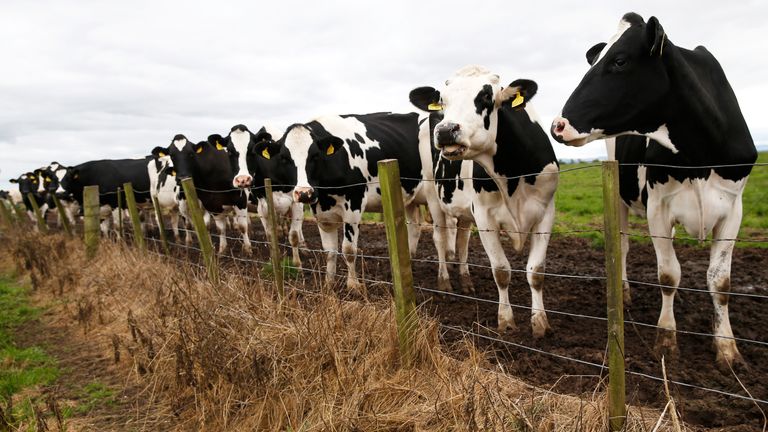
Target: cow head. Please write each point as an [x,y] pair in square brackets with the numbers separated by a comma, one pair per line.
[623,92]
[240,138]
[28,182]
[269,158]
[176,156]
[71,183]
[468,104]
[48,182]
[210,160]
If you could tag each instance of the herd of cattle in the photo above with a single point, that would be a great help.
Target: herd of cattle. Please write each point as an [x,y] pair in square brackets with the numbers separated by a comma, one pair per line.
[478,154]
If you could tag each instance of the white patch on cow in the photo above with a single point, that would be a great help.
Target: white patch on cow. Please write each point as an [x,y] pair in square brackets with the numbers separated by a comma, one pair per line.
[661,135]
[623,26]
[458,100]
[240,140]
[179,144]
[298,141]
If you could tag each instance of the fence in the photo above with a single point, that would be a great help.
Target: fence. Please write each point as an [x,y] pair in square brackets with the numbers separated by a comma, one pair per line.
[405,287]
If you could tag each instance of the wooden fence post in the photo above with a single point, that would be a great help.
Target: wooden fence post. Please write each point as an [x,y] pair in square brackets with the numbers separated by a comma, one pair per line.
[203,237]
[130,199]
[41,225]
[21,215]
[400,257]
[6,214]
[274,249]
[160,225]
[62,215]
[91,220]
[617,413]
[120,231]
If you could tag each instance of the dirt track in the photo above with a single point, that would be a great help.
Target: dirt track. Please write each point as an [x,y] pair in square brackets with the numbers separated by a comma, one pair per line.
[585,339]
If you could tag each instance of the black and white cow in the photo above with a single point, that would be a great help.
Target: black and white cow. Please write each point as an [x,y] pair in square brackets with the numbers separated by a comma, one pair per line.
[640,83]
[31,182]
[108,175]
[254,154]
[71,207]
[164,188]
[212,166]
[511,185]
[332,161]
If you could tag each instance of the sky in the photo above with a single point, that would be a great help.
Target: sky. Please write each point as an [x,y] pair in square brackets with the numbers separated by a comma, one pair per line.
[84,80]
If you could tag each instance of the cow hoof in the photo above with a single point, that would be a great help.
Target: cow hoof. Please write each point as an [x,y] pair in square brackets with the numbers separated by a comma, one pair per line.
[296,263]
[666,344]
[444,284]
[627,295]
[467,287]
[354,285]
[728,356]
[540,324]
[506,325]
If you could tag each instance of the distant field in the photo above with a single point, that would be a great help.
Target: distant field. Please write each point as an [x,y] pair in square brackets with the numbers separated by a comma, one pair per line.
[579,202]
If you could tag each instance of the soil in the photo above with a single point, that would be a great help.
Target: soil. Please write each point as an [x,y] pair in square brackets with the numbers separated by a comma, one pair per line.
[585,338]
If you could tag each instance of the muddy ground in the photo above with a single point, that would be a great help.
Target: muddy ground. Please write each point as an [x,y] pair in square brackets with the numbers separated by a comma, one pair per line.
[584,338]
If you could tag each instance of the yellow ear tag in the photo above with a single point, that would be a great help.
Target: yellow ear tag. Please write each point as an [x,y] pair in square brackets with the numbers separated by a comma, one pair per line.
[265,153]
[173,173]
[219,146]
[435,107]
[518,100]
[160,154]
[330,150]
[199,149]
[48,179]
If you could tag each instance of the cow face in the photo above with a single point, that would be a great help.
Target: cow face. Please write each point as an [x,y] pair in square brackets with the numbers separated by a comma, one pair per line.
[319,158]
[268,158]
[71,183]
[623,92]
[176,156]
[240,138]
[469,105]
[28,183]
[48,182]
[209,160]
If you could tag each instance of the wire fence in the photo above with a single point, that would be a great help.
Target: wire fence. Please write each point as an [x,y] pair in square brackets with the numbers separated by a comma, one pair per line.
[364,264]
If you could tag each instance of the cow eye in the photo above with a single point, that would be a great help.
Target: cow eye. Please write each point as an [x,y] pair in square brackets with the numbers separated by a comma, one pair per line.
[619,62]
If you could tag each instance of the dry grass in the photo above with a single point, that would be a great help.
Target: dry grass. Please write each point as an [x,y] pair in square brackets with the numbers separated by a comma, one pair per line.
[233,357]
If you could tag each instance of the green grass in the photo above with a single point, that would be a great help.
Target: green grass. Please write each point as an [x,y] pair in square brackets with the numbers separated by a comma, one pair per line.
[289,271]
[579,203]
[20,368]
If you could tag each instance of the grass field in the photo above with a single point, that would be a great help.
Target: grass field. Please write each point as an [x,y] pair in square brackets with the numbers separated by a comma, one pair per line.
[579,202]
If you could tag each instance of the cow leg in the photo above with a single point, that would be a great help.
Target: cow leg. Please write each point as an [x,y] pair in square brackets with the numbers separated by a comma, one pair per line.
[451,233]
[413,216]
[462,247]
[329,237]
[719,284]
[439,237]
[535,269]
[241,222]
[349,250]
[175,225]
[661,228]
[624,227]
[221,227]
[489,236]
[295,235]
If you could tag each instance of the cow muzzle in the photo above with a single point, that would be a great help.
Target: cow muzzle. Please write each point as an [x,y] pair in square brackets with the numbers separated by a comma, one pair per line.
[447,140]
[304,195]
[242,181]
[563,132]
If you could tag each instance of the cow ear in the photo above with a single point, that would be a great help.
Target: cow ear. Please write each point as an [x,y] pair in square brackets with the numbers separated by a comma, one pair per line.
[199,147]
[264,146]
[655,36]
[14,180]
[426,99]
[329,145]
[159,152]
[518,93]
[595,51]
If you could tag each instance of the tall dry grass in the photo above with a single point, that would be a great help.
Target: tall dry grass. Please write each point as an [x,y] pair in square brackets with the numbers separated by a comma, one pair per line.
[233,356]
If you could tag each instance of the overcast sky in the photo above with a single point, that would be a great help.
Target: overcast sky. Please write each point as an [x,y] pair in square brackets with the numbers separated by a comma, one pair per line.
[83,80]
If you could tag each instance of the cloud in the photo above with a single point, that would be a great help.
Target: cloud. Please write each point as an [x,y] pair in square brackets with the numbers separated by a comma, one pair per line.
[87,80]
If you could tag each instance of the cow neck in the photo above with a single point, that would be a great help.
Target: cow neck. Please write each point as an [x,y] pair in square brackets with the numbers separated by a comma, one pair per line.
[520,148]
[705,124]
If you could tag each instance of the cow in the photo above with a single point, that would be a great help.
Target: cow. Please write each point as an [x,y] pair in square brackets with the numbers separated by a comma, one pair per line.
[31,182]
[71,208]
[211,164]
[641,84]
[512,182]
[331,164]
[164,188]
[108,175]
[254,154]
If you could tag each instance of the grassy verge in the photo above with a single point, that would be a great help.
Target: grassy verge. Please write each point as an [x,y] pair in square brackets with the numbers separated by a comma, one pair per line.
[22,368]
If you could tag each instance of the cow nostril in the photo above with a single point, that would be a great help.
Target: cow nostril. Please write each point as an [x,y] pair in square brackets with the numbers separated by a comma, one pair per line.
[560,127]
[455,127]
